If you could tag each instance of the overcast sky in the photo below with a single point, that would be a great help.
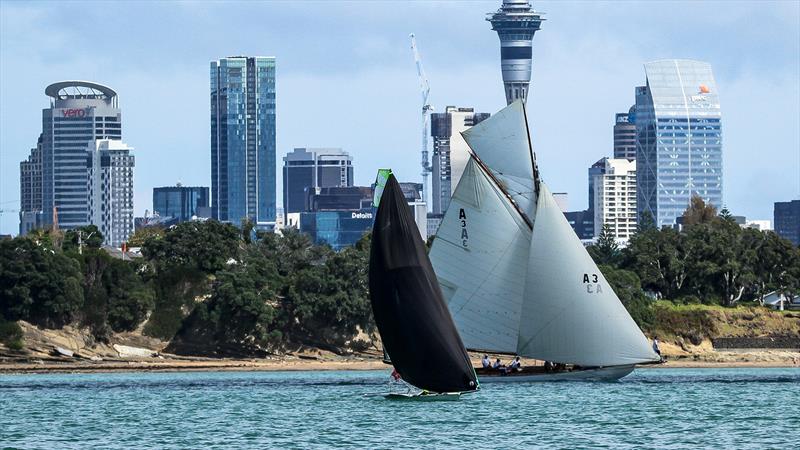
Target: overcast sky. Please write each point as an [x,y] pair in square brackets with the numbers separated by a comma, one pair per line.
[346,78]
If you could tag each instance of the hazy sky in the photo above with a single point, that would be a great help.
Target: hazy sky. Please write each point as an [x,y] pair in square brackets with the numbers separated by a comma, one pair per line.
[346,78]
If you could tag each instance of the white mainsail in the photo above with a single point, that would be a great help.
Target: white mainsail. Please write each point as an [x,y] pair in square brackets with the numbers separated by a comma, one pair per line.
[510,289]
[480,256]
[502,143]
[570,313]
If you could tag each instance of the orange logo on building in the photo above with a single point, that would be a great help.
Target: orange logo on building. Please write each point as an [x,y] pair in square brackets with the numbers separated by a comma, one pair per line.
[704,89]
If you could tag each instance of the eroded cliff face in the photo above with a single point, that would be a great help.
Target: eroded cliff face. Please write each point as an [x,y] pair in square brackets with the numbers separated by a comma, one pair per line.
[72,342]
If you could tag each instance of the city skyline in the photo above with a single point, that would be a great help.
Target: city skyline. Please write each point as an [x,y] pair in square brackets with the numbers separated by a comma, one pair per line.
[329,87]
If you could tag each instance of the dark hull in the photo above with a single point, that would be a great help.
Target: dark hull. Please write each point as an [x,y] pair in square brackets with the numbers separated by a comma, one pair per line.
[538,374]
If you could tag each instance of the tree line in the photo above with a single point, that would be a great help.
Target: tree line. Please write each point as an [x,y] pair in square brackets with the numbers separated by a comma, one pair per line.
[211,288]
[710,260]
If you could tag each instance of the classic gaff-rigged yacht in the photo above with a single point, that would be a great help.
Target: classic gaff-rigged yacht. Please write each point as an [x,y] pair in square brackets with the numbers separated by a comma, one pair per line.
[516,278]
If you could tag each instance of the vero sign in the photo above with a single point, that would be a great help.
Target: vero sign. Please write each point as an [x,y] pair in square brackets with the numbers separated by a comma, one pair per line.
[75,112]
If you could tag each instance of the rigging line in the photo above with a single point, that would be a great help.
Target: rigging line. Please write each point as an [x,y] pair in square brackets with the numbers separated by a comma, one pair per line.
[489,174]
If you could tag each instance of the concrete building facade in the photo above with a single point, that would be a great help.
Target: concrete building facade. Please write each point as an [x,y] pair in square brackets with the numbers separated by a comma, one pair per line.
[306,169]
[625,136]
[450,152]
[30,190]
[615,198]
[110,190]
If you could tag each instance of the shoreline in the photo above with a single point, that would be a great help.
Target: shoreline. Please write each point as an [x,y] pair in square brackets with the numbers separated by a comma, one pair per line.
[295,365]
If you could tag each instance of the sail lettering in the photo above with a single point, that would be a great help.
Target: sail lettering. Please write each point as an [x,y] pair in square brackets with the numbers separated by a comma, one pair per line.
[462,215]
[592,283]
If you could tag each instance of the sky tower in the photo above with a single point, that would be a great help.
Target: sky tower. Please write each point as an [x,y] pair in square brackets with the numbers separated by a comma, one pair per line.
[515,23]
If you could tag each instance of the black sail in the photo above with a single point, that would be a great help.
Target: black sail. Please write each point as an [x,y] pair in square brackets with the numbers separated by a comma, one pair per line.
[412,317]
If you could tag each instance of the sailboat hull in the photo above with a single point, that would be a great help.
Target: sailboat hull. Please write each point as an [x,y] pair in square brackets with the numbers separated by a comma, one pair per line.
[596,374]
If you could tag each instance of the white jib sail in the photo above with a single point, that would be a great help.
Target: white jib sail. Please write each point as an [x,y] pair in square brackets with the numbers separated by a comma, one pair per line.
[480,256]
[502,143]
[570,313]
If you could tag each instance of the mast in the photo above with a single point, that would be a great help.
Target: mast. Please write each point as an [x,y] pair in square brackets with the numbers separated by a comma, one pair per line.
[515,288]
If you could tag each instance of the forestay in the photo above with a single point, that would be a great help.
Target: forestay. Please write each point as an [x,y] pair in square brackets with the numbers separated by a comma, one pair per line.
[480,256]
[502,143]
[570,313]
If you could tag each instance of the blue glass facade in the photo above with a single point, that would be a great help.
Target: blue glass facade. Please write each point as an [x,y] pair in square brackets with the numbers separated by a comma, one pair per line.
[243,178]
[679,139]
[336,228]
[787,220]
[180,202]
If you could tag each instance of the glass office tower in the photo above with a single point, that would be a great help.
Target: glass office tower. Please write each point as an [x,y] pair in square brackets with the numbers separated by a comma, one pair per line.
[679,139]
[80,112]
[243,179]
[180,202]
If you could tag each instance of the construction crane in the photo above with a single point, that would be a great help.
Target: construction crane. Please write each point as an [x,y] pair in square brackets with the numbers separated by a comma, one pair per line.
[425,88]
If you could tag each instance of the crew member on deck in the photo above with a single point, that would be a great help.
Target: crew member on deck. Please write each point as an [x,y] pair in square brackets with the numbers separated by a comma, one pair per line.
[486,362]
[516,365]
[655,346]
[497,365]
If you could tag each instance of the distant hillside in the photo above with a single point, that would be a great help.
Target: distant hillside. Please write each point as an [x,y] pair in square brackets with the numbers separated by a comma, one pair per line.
[699,330]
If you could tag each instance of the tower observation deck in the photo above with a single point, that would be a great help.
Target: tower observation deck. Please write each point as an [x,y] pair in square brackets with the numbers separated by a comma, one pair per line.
[515,23]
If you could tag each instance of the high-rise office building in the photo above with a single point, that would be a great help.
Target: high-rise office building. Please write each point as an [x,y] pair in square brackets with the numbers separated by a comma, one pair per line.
[110,189]
[515,23]
[679,139]
[80,112]
[615,198]
[625,136]
[787,220]
[598,168]
[30,190]
[243,178]
[582,222]
[309,168]
[450,152]
[180,202]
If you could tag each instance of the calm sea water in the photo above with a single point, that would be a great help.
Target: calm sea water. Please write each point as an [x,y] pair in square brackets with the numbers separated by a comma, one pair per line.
[666,408]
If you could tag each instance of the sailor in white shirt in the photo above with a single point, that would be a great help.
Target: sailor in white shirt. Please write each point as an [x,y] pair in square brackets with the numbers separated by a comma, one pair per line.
[485,362]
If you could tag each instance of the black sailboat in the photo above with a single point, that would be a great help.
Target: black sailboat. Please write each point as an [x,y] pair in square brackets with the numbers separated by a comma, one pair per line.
[415,325]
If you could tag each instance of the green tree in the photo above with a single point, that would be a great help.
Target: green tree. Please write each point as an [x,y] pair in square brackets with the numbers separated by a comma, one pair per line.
[116,297]
[143,234]
[88,236]
[646,222]
[206,246]
[183,263]
[239,318]
[698,212]
[247,230]
[605,250]
[38,284]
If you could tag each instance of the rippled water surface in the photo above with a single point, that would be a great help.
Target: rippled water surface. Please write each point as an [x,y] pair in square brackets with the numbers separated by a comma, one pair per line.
[665,408]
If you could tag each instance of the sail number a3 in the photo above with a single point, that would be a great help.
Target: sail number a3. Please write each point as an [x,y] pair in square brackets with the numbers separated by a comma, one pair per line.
[592,283]
[462,217]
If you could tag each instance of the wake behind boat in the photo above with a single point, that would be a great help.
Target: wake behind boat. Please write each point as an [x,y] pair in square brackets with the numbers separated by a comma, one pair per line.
[419,336]
[516,278]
